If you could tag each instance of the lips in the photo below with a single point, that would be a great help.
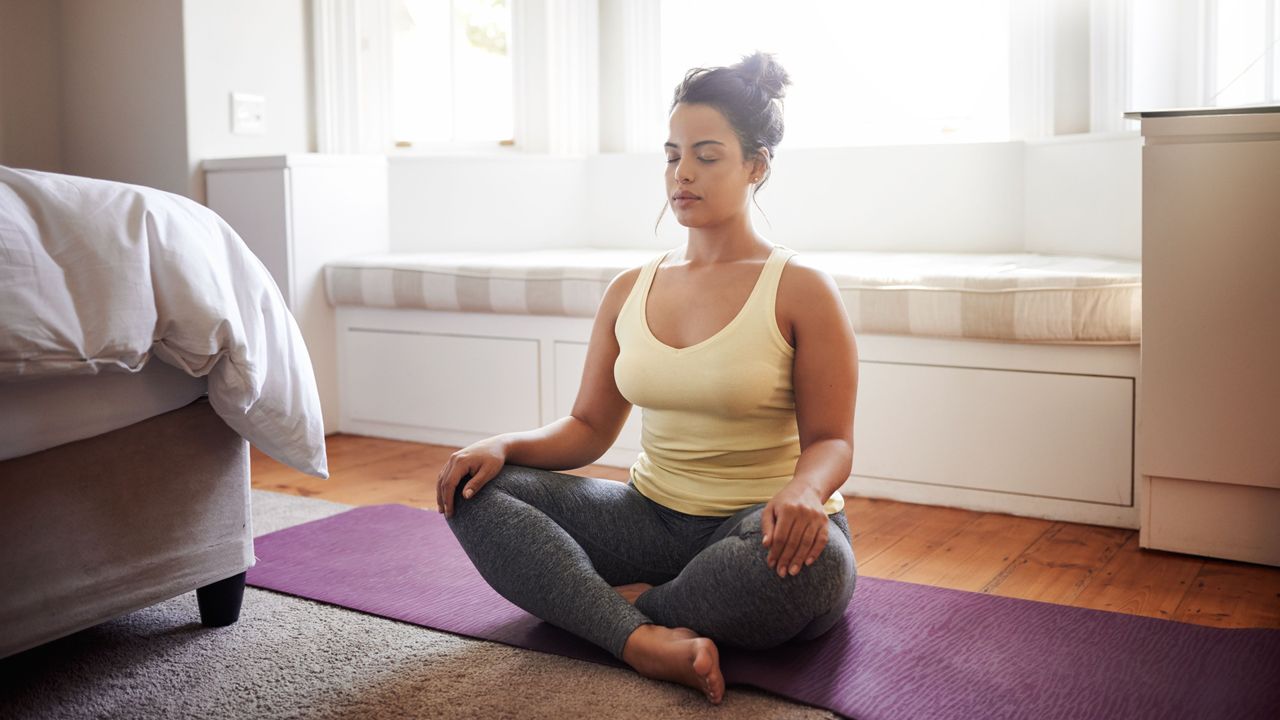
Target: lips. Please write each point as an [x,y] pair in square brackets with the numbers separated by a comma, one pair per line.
[685,195]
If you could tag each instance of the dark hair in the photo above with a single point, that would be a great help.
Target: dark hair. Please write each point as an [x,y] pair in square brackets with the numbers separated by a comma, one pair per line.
[749,94]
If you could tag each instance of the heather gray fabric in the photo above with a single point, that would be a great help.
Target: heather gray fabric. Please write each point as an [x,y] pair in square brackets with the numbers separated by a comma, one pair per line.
[555,544]
[100,527]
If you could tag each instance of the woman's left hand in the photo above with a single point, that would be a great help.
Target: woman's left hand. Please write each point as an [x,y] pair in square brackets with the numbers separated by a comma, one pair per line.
[794,524]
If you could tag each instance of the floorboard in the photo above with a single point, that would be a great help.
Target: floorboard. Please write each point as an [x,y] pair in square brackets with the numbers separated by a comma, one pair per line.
[1066,563]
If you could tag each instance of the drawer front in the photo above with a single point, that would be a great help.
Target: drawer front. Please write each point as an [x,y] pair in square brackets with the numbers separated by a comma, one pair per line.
[1032,433]
[571,358]
[449,382]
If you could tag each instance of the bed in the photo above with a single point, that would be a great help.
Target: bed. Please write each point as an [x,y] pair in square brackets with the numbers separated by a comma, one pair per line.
[142,348]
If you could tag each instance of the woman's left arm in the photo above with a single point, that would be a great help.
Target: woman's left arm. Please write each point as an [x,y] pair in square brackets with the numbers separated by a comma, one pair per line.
[825,381]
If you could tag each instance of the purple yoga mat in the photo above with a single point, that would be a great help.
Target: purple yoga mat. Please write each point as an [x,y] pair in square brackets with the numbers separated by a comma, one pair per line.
[902,651]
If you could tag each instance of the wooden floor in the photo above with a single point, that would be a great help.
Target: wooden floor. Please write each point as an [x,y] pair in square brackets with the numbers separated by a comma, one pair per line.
[1082,565]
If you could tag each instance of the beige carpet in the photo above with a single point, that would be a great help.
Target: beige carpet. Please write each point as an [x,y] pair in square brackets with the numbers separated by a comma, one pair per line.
[294,658]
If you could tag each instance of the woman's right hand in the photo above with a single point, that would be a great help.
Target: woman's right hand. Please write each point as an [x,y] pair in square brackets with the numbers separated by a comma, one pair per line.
[480,461]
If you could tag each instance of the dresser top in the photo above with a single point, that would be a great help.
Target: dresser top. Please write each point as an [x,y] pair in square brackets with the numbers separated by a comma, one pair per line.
[1186,112]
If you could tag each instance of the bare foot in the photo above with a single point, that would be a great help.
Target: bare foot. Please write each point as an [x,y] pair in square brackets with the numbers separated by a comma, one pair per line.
[676,654]
[632,591]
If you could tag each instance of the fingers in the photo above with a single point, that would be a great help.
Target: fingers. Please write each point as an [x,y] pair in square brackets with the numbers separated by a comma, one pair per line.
[790,561]
[766,526]
[454,472]
[819,543]
[476,472]
[781,536]
[440,483]
[479,477]
[797,541]
[788,552]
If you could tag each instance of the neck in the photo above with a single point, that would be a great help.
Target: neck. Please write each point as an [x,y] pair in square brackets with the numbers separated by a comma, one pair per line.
[727,242]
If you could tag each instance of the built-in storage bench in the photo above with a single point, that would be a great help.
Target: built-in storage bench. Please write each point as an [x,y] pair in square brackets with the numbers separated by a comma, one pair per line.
[1000,383]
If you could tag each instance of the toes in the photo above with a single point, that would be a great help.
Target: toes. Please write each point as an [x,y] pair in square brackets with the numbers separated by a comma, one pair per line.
[706,664]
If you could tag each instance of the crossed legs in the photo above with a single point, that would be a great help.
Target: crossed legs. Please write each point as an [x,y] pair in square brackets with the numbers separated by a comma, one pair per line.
[556,544]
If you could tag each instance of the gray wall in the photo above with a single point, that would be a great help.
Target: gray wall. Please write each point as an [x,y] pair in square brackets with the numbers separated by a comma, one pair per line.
[30,117]
[123,112]
[139,90]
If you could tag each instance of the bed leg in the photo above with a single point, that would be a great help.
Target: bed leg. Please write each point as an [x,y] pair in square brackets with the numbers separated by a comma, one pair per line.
[220,601]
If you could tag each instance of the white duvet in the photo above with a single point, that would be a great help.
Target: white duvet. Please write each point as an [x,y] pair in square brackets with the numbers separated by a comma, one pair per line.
[99,276]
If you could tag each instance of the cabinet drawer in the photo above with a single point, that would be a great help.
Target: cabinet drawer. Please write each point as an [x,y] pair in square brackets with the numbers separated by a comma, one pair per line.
[1043,434]
[450,382]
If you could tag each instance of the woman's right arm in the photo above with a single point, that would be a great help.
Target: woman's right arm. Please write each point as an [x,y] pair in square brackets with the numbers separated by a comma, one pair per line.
[573,441]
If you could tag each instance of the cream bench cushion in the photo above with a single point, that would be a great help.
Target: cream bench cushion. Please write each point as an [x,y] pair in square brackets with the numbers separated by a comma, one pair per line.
[1023,297]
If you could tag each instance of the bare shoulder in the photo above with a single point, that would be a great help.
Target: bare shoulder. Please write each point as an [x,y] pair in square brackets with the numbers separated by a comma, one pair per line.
[617,291]
[809,303]
[805,287]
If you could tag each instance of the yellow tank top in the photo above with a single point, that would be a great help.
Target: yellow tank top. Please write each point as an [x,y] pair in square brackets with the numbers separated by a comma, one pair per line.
[718,424]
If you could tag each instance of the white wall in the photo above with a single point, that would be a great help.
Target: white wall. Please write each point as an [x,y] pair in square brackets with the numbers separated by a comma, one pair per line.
[929,197]
[123,99]
[945,198]
[1070,66]
[144,97]
[1070,195]
[515,202]
[1084,195]
[245,46]
[30,122]
[963,197]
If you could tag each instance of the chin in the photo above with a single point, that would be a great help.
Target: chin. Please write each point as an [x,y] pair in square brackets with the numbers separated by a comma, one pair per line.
[690,220]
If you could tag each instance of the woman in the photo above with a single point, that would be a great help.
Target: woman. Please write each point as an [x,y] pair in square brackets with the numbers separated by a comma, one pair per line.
[731,529]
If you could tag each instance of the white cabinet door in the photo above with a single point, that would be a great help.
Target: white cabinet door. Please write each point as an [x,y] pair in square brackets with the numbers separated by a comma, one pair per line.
[1044,434]
[1211,312]
[443,382]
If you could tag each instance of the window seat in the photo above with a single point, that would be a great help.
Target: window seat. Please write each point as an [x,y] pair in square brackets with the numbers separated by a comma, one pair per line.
[992,382]
[1018,297]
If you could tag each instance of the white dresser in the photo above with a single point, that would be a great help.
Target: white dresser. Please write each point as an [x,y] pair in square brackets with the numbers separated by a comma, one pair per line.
[1209,405]
[297,213]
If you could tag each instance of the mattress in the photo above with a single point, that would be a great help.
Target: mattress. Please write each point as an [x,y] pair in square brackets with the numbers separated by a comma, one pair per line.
[98,277]
[38,414]
[1025,297]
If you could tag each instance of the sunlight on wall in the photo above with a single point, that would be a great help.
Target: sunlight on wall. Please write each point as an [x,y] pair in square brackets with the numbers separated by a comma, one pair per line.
[863,72]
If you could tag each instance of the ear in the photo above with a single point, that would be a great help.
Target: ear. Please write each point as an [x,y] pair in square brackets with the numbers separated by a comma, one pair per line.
[760,163]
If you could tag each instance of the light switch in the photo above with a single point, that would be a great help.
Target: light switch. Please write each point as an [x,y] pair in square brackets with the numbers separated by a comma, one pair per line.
[248,114]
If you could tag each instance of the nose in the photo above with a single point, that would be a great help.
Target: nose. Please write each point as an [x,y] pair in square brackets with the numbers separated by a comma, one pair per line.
[682,177]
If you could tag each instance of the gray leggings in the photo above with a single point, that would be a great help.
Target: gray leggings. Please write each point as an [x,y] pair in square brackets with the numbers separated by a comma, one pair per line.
[555,544]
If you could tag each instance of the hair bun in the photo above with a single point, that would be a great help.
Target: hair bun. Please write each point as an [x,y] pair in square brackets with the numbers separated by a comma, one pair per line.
[761,70]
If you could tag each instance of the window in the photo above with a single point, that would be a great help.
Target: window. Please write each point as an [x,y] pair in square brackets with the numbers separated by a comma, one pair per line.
[1242,48]
[863,71]
[451,73]
[1211,53]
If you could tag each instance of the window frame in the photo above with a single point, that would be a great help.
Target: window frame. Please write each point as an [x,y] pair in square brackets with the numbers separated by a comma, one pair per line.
[561,79]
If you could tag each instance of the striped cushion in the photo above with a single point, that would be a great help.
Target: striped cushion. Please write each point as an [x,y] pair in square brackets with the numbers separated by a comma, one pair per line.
[1024,297]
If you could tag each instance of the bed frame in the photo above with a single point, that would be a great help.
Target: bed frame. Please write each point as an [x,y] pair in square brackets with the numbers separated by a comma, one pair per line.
[102,527]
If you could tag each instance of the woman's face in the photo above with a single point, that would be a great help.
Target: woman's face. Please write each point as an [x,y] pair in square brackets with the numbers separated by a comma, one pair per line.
[707,178]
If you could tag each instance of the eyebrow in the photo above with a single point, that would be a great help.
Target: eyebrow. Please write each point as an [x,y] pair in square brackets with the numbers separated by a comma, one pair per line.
[698,144]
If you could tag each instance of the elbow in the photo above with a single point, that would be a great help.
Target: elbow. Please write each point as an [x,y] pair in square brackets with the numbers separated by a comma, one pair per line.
[596,440]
